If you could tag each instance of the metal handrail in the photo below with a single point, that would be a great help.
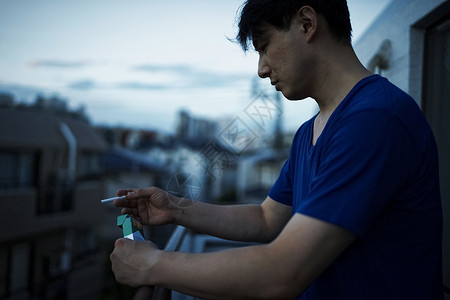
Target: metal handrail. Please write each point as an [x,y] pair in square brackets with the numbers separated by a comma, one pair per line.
[174,244]
[176,239]
[158,292]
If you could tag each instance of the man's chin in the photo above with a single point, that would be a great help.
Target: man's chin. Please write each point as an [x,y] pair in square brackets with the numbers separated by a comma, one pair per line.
[293,97]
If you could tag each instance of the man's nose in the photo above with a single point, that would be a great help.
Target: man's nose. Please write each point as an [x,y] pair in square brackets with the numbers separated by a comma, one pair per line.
[263,69]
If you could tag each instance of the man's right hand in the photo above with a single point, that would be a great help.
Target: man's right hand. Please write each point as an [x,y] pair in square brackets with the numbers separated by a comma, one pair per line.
[151,206]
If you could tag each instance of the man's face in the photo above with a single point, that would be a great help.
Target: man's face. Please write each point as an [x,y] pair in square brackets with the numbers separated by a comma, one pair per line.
[284,58]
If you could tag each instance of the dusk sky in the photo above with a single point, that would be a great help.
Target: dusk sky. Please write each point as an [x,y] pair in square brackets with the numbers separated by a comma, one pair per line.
[137,63]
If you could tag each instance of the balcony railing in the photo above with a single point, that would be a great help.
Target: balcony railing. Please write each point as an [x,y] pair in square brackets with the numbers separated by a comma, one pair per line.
[157,292]
[183,239]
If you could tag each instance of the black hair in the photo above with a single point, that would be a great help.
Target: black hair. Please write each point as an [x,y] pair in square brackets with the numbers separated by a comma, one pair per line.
[279,13]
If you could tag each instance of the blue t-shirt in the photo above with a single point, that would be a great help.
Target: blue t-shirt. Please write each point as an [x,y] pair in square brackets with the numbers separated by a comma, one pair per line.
[374,172]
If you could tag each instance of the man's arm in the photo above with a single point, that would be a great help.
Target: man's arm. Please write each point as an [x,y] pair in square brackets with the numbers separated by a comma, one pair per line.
[281,269]
[251,223]
[255,223]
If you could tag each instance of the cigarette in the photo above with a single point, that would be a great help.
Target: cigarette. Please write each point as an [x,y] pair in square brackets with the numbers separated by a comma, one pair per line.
[112,199]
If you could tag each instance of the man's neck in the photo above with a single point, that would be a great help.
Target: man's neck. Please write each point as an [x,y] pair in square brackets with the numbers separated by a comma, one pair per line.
[340,71]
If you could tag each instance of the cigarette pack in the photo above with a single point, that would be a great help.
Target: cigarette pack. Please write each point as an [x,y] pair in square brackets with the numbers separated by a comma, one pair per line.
[132,228]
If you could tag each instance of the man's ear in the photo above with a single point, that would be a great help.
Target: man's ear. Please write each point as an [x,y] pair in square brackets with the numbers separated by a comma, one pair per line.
[306,19]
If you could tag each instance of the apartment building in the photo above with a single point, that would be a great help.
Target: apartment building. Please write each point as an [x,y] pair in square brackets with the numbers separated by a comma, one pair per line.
[50,187]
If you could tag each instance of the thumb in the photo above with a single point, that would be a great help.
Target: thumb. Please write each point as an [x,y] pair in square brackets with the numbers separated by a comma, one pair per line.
[122,243]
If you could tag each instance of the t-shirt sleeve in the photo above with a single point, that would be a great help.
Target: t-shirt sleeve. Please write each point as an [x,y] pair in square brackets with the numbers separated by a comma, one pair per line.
[281,191]
[362,163]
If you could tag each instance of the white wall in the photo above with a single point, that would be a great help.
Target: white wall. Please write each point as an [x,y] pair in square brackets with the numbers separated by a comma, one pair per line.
[396,24]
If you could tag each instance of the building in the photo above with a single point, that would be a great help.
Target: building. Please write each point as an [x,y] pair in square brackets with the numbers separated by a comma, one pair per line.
[50,187]
[410,45]
[257,173]
[194,131]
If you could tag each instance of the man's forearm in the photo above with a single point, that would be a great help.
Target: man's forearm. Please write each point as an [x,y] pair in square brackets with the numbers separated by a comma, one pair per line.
[248,272]
[234,222]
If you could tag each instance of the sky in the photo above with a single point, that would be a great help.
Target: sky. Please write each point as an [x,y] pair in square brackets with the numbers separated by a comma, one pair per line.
[138,63]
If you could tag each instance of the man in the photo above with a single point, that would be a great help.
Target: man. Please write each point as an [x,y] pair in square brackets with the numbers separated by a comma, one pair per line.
[355,213]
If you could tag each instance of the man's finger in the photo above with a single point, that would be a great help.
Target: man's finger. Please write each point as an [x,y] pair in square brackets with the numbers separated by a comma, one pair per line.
[126,202]
[124,192]
[129,211]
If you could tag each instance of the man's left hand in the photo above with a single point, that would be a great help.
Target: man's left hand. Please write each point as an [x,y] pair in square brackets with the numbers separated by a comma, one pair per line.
[132,261]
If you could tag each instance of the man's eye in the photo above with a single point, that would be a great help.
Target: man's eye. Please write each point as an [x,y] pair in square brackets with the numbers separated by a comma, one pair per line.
[263,48]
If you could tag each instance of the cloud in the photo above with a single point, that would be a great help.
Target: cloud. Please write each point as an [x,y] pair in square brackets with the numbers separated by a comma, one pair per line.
[63,64]
[141,86]
[154,68]
[89,84]
[85,84]
[186,76]
[216,79]
[168,77]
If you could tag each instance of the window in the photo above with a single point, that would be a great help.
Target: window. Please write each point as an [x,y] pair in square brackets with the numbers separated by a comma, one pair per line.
[89,166]
[85,242]
[20,267]
[18,169]
[4,265]
[55,197]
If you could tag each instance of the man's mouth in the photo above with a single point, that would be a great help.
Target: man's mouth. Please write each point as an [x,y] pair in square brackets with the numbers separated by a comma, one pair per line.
[276,84]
